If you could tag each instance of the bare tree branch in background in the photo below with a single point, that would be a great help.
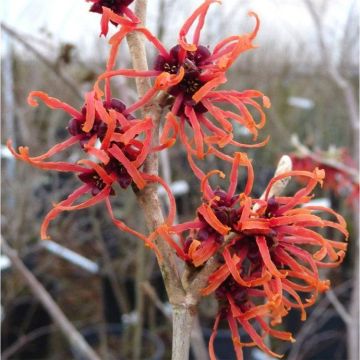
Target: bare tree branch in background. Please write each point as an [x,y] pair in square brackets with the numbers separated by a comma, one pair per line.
[333,69]
[52,66]
[69,331]
[314,321]
[25,339]
[121,299]
[353,113]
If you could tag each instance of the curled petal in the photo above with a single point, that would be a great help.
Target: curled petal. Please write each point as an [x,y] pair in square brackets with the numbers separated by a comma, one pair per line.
[205,89]
[136,129]
[53,103]
[122,72]
[103,194]
[265,254]
[282,335]
[128,165]
[257,25]
[340,257]
[170,124]
[90,111]
[235,337]
[298,300]
[53,151]
[172,204]
[123,227]
[256,337]
[166,80]
[115,42]
[202,251]
[232,262]
[303,232]
[216,279]
[219,116]
[205,184]
[109,15]
[339,218]
[317,175]
[145,149]
[163,231]
[243,44]
[200,12]
[61,166]
[213,336]
[53,213]
[209,216]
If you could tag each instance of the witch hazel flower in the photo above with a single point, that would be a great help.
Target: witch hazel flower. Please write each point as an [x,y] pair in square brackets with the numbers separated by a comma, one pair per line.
[275,255]
[194,73]
[270,251]
[244,306]
[114,11]
[205,235]
[98,122]
[116,144]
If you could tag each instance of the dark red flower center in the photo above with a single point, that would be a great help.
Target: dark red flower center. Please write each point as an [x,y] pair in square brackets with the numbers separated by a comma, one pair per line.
[272,207]
[99,128]
[191,82]
[117,6]
[238,293]
[93,179]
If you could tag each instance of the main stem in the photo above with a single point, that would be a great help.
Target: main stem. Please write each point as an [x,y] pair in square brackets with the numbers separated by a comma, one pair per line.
[183,320]
[183,291]
[183,314]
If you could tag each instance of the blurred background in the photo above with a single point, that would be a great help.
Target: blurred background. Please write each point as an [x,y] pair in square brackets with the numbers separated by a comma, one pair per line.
[103,280]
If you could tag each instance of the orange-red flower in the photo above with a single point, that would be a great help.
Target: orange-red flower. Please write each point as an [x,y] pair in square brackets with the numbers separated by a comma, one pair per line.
[116,143]
[190,73]
[113,8]
[271,251]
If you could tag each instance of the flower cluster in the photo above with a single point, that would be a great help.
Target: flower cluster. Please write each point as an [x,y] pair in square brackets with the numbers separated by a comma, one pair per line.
[269,249]
[116,144]
[270,252]
[190,74]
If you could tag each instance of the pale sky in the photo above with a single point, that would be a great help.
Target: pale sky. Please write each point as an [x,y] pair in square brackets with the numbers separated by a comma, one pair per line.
[69,20]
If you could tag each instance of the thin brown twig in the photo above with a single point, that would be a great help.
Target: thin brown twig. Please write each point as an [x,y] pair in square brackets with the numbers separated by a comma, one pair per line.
[339,307]
[313,320]
[25,339]
[68,329]
[121,299]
